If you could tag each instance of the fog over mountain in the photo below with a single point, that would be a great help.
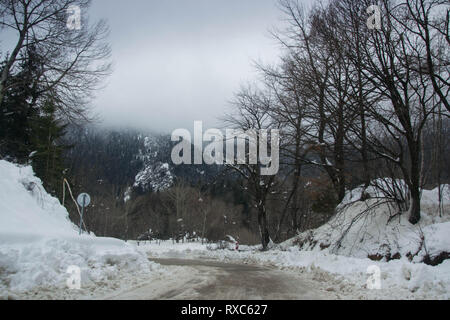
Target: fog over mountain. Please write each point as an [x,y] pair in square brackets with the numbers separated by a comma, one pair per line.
[180,61]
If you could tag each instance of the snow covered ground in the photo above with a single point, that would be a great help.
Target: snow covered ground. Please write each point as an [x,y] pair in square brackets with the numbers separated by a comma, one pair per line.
[38,244]
[347,277]
[396,249]
[375,229]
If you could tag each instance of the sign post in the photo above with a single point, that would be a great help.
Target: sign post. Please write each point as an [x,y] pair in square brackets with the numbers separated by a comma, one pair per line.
[83,201]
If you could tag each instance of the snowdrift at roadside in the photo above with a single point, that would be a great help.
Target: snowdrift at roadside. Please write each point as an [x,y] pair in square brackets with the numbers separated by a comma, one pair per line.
[38,242]
[374,229]
[346,277]
[371,239]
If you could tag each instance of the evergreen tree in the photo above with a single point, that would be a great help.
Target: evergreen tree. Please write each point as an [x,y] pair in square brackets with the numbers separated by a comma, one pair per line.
[47,158]
[29,126]
[18,107]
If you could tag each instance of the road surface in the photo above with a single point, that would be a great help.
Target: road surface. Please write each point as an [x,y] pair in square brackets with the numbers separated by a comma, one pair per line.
[207,280]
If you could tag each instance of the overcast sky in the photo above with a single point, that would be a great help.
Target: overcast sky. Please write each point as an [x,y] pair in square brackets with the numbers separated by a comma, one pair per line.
[177,61]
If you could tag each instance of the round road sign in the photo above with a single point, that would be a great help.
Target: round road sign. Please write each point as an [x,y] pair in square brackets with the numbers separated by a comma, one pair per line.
[84,200]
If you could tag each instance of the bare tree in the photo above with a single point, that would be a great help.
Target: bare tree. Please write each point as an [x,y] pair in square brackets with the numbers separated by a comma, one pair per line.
[427,22]
[289,110]
[251,106]
[370,90]
[72,62]
[322,71]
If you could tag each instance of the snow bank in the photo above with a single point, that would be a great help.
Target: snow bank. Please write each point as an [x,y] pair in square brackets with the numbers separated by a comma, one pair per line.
[400,279]
[376,229]
[345,276]
[38,242]
[376,237]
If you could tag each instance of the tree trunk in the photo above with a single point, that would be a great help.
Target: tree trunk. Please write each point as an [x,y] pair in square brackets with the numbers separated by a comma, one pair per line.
[415,181]
[293,197]
[339,154]
[414,217]
[12,59]
[1,95]
[263,227]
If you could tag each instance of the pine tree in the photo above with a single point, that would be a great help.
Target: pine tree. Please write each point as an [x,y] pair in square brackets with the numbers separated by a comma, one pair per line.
[18,107]
[29,126]
[47,142]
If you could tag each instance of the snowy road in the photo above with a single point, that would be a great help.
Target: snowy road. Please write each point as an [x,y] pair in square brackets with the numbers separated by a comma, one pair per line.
[206,280]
